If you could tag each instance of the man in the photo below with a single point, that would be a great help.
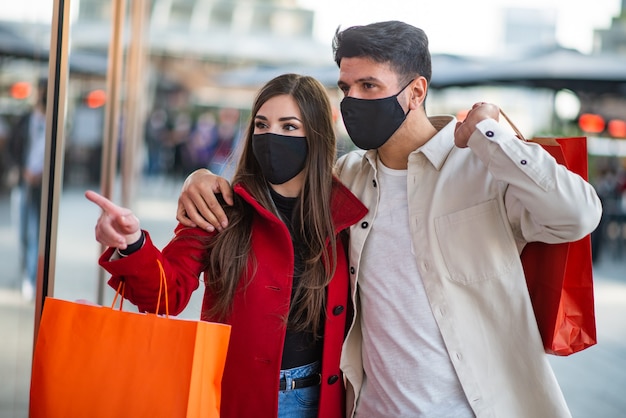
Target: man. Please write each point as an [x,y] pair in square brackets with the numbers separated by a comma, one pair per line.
[27,145]
[443,326]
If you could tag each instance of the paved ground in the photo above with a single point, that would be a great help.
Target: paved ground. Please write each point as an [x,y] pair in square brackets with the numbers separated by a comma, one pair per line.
[594,381]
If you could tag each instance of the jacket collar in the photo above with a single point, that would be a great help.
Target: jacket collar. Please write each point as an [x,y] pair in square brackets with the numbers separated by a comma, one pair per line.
[439,146]
[436,149]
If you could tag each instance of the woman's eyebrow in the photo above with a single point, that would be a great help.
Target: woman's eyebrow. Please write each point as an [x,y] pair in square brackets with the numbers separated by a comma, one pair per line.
[283,119]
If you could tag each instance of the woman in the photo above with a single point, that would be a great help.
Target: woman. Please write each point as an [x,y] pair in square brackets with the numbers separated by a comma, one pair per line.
[278,274]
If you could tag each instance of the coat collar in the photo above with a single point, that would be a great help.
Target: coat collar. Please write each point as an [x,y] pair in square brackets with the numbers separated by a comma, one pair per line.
[346,209]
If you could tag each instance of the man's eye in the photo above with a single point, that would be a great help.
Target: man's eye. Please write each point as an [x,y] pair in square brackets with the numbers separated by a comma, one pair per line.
[368,86]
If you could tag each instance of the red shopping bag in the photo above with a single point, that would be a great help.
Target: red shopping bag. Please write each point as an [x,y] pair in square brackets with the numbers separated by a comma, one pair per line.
[560,276]
[100,362]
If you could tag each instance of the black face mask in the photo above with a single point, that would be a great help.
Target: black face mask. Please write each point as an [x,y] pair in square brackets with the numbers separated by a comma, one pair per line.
[281,157]
[370,123]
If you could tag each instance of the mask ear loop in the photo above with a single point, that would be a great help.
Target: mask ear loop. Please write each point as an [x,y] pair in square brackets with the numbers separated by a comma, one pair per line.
[404,88]
[400,92]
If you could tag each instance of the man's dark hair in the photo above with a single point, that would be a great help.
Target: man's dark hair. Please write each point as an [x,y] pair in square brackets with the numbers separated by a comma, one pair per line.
[403,46]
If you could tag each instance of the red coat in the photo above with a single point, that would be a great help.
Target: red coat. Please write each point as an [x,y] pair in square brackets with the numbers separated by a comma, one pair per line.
[250,382]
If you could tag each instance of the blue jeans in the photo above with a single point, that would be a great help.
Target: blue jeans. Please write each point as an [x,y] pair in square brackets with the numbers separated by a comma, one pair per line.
[299,403]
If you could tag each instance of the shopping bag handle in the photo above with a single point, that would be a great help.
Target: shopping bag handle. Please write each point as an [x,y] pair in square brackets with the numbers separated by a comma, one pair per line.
[162,284]
[548,140]
[517,131]
[119,292]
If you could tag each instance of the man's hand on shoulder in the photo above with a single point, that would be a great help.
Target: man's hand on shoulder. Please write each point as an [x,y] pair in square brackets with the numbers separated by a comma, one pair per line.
[198,204]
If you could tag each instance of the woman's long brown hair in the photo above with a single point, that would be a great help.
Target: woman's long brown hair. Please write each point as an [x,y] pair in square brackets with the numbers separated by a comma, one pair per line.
[230,260]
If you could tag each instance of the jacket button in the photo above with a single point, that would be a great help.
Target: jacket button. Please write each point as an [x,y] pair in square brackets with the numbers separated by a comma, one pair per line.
[489,134]
[523,162]
[364,225]
[352,270]
[374,182]
[337,310]
[333,379]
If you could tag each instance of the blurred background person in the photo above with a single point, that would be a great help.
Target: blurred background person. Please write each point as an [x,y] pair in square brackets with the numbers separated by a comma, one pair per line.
[226,137]
[27,146]
[176,131]
[4,155]
[154,139]
[198,150]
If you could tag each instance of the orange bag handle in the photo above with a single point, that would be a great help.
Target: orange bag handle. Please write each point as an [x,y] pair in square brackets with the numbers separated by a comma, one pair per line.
[162,284]
[118,292]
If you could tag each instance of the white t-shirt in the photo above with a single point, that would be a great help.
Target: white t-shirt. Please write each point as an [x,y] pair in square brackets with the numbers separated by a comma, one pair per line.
[408,372]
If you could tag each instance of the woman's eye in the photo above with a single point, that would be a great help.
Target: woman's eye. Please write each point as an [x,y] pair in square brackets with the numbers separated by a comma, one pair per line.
[260,125]
[290,127]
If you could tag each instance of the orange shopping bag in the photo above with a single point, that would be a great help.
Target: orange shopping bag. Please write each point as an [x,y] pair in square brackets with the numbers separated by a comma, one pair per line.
[100,362]
[560,276]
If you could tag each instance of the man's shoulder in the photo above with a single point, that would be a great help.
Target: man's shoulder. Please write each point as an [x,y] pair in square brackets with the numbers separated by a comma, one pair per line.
[351,165]
[350,160]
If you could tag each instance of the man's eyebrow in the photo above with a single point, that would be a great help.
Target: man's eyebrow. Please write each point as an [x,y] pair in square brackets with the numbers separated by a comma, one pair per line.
[370,78]
[341,83]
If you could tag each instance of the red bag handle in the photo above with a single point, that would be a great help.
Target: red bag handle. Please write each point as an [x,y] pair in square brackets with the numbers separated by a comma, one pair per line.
[539,140]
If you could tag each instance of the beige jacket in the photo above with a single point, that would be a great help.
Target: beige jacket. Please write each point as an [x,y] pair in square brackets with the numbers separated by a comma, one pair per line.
[472,210]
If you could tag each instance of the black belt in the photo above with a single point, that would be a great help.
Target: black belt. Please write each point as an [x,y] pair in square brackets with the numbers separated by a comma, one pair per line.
[302,382]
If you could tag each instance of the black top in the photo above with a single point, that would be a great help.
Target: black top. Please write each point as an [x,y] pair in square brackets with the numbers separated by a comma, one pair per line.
[300,347]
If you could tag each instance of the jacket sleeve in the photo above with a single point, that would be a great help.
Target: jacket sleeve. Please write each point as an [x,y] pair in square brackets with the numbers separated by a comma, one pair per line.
[182,263]
[544,200]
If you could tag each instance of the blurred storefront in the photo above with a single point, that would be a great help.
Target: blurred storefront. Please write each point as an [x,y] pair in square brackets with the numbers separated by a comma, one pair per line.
[125,78]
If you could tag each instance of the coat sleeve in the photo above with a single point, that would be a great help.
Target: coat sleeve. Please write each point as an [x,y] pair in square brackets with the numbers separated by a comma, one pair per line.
[544,200]
[182,263]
